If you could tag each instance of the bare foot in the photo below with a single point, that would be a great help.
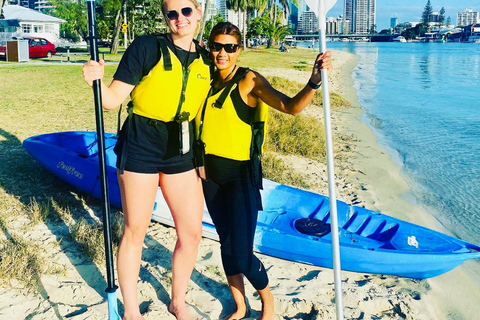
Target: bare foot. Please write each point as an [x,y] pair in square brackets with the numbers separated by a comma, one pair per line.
[241,313]
[180,313]
[134,317]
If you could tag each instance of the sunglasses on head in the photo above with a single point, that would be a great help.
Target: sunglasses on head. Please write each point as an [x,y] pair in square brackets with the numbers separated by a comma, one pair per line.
[173,14]
[229,47]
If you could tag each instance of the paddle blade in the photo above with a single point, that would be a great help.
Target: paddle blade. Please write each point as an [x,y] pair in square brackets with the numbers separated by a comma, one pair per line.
[320,7]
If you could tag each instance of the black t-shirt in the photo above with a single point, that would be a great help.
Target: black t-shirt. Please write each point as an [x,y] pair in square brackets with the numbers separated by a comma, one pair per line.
[143,54]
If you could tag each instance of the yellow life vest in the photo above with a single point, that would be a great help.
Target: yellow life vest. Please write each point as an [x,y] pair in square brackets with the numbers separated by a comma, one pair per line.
[229,132]
[168,90]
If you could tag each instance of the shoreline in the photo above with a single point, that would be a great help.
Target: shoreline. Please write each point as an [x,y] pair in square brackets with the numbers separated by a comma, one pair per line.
[453,295]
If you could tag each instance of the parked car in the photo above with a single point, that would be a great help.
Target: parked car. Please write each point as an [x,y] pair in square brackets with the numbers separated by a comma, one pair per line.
[37,48]
[104,44]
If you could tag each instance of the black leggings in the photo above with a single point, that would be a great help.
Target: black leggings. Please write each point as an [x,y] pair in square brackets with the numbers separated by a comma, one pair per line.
[233,203]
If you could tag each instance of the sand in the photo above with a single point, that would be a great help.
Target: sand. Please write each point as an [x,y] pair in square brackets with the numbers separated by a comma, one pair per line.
[370,178]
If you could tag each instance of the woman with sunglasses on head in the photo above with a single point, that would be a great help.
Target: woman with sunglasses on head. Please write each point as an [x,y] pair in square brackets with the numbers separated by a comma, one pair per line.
[230,134]
[167,77]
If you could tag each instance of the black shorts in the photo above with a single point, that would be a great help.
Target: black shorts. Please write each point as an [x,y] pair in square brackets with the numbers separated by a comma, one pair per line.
[152,146]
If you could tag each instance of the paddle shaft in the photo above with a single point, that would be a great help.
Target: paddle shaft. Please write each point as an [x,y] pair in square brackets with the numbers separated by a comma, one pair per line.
[330,170]
[92,32]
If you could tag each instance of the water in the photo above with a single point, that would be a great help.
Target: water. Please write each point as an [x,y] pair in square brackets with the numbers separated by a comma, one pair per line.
[423,101]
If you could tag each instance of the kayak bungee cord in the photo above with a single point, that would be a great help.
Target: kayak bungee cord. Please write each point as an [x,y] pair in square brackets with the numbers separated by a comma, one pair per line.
[111,287]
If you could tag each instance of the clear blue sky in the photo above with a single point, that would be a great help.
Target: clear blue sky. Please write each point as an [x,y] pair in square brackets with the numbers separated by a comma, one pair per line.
[410,10]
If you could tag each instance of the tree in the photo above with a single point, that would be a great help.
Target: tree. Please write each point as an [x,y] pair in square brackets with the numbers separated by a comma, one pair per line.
[210,24]
[412,33]
[117,6]
[258,6]
[148,21]
[256,27]
[449,21]
[286,6]
[441,16]
[241,6]
[204,20]
[427,12]
[75,29]
[279,32]
[373,29]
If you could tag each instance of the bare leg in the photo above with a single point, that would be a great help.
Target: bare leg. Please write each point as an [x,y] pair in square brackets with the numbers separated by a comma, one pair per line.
[184,196]
[268,311]
[138,198]
[237,288]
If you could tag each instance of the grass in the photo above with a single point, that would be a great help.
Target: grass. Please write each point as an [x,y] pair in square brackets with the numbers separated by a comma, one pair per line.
[274,168]
[39,98]
[38,211]
[21,260]
[298,135]
[296,57]
[35,99]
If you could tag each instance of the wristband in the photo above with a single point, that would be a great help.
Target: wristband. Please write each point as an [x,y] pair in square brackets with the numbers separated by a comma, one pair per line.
[312,85]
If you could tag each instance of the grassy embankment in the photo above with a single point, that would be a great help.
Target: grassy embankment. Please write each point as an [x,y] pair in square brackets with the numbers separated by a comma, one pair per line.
[38,98]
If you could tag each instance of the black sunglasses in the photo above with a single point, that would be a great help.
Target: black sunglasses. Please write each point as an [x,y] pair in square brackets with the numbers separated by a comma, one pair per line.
[173,14]
[229,47]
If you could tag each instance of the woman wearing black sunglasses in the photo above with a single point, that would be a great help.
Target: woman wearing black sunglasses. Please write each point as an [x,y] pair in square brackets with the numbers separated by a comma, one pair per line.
[230,131]
[167,77]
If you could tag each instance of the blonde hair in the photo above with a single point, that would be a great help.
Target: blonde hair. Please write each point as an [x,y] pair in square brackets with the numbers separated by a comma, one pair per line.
[194,2]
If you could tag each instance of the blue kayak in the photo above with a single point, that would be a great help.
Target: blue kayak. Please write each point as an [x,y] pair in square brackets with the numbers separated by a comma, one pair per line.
[295,224]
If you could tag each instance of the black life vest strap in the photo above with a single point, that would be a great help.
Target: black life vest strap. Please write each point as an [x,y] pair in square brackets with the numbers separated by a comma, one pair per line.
[204,54]
[167,60]
[239,75]
[241,72]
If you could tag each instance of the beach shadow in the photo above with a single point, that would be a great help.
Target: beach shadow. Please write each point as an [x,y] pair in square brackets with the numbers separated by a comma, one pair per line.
[309,276]
[22,177]
[156,255]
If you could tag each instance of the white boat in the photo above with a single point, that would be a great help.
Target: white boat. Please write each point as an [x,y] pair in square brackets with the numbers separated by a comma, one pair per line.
[399,39]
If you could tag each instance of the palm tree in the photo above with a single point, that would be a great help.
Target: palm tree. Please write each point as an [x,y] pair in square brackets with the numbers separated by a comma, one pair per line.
[258,5]
[240,6]
[285,5]
[204,20]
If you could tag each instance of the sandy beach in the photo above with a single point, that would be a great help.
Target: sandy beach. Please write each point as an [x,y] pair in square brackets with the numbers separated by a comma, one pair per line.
[369,177]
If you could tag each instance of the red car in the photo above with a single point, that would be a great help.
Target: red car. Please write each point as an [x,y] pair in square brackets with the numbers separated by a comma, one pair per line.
[37,48]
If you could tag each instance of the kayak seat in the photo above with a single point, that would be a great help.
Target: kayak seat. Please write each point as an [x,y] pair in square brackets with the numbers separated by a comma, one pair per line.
[313,227]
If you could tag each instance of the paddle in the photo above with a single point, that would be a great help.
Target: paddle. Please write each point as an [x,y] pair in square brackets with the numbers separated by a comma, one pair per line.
[111,287]
[321,7]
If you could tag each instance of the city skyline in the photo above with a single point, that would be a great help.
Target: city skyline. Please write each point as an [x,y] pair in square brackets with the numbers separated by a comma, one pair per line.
[409,10]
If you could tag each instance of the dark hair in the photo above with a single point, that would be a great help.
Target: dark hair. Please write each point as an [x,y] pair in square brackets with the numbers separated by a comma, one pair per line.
[225,28]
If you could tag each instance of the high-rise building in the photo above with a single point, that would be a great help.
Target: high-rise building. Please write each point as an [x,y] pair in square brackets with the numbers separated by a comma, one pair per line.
[467,17]
[23,3]
[393,22]
[211,11]
[293,17]
[336,25]
[361,14]
[42,5]
[308,23]
[228,15]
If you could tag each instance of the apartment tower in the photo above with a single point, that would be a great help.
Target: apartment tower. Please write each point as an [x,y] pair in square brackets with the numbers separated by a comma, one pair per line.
[361,15]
